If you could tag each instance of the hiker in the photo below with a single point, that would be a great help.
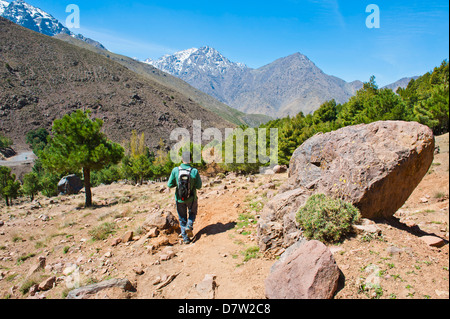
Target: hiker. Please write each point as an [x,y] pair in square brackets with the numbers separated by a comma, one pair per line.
[187,180]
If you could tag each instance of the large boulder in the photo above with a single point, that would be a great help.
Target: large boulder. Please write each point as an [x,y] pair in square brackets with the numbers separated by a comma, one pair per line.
[307,270]
[69,185]
[374,166]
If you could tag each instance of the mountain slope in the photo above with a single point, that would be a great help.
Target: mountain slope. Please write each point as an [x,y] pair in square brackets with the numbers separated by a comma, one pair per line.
[38,20]
[402,83]
[43,78]
[145,69]
[284,87]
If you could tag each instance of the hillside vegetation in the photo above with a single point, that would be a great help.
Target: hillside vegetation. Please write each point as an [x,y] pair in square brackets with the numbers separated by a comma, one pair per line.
[425,100]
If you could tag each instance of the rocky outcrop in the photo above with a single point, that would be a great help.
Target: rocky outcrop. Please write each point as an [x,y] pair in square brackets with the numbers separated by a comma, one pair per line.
[375,167]
[307,270]
[87,291]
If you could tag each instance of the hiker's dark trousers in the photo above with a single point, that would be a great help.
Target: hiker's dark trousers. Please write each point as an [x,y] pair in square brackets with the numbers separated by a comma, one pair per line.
[187,212]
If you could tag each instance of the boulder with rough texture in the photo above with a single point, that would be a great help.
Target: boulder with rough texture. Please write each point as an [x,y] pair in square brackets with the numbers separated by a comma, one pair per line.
[305,271]
[374,166]
[161,220]
[69,185]
[87,291]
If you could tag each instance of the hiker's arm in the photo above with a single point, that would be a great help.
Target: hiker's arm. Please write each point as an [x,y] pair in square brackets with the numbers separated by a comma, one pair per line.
[172,180]
[198,182]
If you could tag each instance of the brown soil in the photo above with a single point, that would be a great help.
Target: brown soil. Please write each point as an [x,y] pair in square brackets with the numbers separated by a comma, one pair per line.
[411,269]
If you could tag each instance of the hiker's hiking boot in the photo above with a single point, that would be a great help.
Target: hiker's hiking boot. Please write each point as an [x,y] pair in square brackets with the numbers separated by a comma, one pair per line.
[189,232]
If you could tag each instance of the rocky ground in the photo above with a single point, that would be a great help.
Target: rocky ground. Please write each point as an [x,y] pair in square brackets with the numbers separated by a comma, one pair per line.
[51,246]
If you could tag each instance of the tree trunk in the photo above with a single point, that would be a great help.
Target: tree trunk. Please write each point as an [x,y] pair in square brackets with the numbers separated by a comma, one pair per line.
[87,186]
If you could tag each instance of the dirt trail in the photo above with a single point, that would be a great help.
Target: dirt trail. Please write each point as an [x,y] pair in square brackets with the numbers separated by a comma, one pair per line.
[217,249]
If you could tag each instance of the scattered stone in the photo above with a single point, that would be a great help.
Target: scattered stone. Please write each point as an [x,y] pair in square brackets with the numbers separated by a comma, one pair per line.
[37,267]
[128,236]
[432,241]
[116,242]
[33,290]
[206,289]
[166,254]
[370,229]
[108,254]
[44,218]
[47,284]
[307,272]
[279,169]
[138,270]
[167,281]
[2,223]
[85,292]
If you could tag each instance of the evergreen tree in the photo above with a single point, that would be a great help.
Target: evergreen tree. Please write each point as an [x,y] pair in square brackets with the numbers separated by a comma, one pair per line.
[78,144]
[9,187]
[31,185]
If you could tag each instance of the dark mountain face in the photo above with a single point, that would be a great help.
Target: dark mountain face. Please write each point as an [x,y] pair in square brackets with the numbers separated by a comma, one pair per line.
[286,86]
[42,78]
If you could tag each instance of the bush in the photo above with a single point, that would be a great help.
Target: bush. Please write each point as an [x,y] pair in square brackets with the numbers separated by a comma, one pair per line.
[326,219]
[5,141]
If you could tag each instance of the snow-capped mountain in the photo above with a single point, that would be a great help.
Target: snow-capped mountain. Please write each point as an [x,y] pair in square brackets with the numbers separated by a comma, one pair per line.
[205,59]
[35,19]
[3,5]
[286,86]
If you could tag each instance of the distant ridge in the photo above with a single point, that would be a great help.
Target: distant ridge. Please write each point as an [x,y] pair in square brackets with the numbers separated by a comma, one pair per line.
[286,86]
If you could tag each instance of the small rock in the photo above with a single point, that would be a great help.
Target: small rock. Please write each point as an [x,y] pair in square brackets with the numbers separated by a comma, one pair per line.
[47,284]
[2,223]
[33,289]
[116,242]
[371,229]
[128,236]
[207,288]
[108,254]
[44,218]
[432,241]
[37,267]
[278,169]
[138,270]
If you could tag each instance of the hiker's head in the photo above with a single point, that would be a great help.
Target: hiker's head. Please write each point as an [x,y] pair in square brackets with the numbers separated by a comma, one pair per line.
[186,157]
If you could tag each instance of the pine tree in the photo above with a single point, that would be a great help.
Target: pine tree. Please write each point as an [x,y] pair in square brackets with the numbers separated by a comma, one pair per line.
[9,187]
[31,185]
[78,144]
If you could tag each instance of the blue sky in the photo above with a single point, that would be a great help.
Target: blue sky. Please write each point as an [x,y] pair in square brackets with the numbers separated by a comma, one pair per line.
[412,39]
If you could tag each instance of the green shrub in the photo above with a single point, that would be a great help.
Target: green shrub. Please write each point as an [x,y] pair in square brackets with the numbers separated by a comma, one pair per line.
[326,219]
